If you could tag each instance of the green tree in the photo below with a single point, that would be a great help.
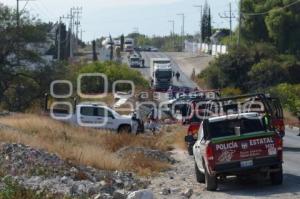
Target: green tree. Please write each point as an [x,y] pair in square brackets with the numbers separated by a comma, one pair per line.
[206,23]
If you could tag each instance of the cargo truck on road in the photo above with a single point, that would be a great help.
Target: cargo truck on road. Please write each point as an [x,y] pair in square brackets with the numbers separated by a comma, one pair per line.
[161,74]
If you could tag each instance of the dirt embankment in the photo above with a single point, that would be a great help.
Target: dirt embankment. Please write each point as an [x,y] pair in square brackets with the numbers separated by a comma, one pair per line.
[189,62]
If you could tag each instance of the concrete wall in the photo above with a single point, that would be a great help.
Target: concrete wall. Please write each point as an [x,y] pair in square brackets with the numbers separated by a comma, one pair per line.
[215,50]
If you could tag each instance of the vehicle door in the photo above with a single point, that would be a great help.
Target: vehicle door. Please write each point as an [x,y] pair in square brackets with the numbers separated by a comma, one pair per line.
[91,117]
[108,118]
[198,147]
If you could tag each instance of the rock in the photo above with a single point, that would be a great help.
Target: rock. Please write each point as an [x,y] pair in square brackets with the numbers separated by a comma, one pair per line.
[92,190]
[175,190]
[97,196]
[81,188]
[119,183]
[141,194]
[38,170]
[187,193]
[119,194]
[166,191]
[105,196]
[64,179]
[74,189]
[148,153]
[102,183]
[73,170]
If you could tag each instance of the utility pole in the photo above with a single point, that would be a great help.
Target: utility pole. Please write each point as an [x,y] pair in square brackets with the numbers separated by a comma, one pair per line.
[182,29]
[173,32]
[183,21]
[18,27]
[230,17]
[200,22]
[77,12]
[71,32]
[81,31]
[240,22]
[173,27]
[59,39]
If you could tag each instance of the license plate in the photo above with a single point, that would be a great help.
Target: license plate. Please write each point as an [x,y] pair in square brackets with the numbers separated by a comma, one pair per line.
[248,163]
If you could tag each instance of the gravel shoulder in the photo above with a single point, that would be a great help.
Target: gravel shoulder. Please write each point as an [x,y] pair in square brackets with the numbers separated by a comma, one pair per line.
[180,180]
[188,61]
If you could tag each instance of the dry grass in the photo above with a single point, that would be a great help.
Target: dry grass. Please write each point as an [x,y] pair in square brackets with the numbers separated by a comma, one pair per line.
[87,146]
[290,119]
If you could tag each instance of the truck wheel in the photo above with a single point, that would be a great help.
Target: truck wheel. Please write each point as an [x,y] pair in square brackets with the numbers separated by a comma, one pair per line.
[200,177]
[277,177]
[190,149]
[124,129]
[210,182]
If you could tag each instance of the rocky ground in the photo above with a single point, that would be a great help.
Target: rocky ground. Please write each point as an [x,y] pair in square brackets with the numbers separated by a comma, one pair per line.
[39,170]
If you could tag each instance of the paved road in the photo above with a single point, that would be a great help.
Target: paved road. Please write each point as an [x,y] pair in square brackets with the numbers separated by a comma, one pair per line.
[184,81]
[182,177]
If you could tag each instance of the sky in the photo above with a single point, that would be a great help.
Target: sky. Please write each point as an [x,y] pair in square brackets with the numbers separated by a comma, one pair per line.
[116,17]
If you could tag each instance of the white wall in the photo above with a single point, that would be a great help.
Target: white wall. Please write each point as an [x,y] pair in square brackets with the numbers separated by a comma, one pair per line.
[194,47]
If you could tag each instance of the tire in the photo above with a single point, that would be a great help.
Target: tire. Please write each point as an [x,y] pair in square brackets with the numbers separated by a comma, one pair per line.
[200,177]
[124,129]
[277,177]
[211,183]
[190,149]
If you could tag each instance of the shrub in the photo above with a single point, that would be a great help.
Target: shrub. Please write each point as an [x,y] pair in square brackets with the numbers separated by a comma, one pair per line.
[289,95]
[114,72]
[231,92]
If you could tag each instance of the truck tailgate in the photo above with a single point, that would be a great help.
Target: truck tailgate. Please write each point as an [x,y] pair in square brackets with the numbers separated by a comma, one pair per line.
[244,148]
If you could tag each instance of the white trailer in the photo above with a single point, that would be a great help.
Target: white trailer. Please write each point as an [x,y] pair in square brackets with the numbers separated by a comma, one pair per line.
[161,74]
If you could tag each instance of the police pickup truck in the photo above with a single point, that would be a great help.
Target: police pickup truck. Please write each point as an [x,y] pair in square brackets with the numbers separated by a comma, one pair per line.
[237,145]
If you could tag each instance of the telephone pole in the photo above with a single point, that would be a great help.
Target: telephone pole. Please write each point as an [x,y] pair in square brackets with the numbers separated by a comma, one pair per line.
[173,27]
[81,32]
[182,29]
[77,12]
[200,22]
[71,32]
[240,22]
[230,17]
[18,27]
[173,32]
[59,39]
[183,21]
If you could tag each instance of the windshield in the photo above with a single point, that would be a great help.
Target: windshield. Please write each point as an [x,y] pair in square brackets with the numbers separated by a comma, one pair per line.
[162,62]
[227,127]
[135,59]
[164,74]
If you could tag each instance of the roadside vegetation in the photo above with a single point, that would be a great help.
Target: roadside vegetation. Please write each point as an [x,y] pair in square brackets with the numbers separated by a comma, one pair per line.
[25,76]
[89,147]
[268,58]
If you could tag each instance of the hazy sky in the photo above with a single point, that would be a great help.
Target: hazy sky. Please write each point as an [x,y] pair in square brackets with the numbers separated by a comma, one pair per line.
[104,17]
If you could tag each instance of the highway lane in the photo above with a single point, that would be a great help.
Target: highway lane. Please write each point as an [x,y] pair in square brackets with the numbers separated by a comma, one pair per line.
[184,80]
[292,153]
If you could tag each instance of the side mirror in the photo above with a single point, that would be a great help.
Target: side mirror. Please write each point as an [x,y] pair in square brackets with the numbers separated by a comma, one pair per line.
[237,131]
[205,128]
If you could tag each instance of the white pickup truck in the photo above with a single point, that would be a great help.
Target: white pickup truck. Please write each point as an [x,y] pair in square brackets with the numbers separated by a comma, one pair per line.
[101,117]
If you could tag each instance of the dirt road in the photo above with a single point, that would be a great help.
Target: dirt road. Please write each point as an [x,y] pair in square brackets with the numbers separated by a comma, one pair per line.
[173,184]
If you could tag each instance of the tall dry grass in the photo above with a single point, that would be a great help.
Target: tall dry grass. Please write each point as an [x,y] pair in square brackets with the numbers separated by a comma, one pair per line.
[85,146]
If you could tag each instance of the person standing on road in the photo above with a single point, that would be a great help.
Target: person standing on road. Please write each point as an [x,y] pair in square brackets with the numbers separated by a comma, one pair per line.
[177,75]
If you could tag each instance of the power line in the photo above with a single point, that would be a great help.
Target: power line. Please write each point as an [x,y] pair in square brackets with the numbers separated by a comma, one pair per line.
[230,17]
[200,22]
[182,28]
[267,12]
